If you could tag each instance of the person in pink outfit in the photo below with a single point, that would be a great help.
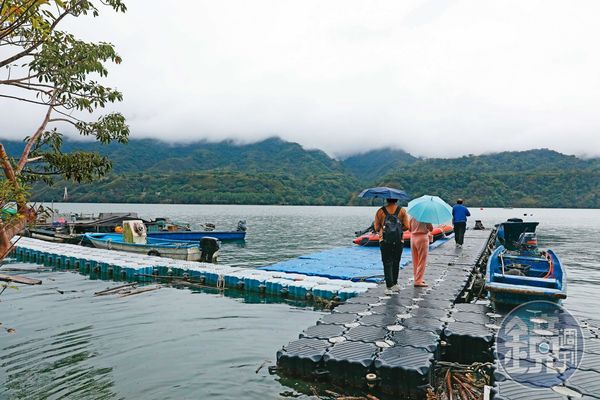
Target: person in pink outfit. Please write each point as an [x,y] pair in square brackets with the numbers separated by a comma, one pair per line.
[420,237]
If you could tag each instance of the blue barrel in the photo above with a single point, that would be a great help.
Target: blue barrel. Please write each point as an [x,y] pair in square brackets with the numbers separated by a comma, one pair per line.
[300,289]
[212,278]
[347,293]
[327,292]
[276,285]
[235,280]
[128,273]
[195,275]
[255,283]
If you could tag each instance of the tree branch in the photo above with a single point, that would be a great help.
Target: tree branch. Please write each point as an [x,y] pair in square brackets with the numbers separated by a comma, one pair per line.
[26,100]
[18,80]
[63,120]
[69,116]
[2,5]
[6,165]
[46,89]
[35,136]
[18,21]
[31,172]
[36,44]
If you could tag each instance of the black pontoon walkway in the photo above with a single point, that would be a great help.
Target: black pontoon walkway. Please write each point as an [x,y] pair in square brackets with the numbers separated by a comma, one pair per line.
[398,338]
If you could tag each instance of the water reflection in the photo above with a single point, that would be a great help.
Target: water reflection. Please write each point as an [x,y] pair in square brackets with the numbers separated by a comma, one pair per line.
[192,342]
[61,365]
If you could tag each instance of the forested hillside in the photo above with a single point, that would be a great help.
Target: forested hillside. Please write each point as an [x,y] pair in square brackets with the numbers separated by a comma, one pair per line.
[534,178]
[277,172]
[268,172]
[374,164]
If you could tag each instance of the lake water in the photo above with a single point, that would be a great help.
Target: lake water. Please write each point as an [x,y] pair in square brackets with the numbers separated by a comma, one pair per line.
[177,343]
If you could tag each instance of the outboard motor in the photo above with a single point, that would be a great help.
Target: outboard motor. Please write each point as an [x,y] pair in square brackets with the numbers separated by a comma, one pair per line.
[210,249]
[369,229]
[527,242]
[241,226]
[478,225]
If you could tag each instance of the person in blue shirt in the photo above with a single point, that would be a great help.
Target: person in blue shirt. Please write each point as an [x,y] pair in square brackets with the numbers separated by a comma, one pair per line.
[459,220]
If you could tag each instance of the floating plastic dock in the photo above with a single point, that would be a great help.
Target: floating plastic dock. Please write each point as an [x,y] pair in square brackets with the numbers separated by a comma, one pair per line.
[396,340]
[356,263]
[119,265]
[394,337]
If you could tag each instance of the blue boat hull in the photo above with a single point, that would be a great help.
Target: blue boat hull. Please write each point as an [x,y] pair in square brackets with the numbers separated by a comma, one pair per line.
[537,283]
[194,236]
[153,247]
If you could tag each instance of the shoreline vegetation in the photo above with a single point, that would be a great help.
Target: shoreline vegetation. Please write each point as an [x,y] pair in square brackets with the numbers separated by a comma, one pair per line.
[276,172]
[61,78]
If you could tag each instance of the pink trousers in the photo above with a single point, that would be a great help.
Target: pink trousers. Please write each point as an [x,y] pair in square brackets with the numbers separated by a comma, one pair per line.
[419,247]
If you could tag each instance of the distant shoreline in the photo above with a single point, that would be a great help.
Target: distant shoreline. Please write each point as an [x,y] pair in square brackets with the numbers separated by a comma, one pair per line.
[47,203]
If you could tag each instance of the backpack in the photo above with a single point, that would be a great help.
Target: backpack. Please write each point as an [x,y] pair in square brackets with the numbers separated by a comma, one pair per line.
[392,227]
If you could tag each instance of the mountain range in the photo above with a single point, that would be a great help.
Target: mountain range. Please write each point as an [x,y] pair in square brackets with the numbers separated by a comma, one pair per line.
[274,171]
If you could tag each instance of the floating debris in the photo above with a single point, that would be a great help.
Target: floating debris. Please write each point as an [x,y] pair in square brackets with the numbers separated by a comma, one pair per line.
[459,381]
[127,290]
[114,289]
[138,291]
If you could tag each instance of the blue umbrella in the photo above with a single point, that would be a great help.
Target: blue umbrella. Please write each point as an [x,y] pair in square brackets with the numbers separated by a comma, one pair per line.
[384,192]
[430,209]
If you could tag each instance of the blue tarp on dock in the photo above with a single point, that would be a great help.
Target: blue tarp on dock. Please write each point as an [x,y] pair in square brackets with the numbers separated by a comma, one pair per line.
[349,263]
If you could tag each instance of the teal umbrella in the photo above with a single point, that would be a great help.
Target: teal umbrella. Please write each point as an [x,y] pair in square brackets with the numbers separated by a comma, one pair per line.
[430,209]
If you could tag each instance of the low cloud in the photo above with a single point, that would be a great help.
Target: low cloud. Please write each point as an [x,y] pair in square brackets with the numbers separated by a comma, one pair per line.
[436,78]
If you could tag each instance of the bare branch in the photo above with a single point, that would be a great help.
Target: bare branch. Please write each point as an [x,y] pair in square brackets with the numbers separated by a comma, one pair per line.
[69,115]
[17,80]
[35,137]
[33,87]
[32,159]
[62,120]
[26,100]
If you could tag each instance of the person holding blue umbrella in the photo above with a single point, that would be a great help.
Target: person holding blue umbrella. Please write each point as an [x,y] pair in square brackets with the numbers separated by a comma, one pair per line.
[390,222]
[424,211]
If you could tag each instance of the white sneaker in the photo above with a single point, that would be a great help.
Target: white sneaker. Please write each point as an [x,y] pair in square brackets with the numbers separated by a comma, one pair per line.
[388,292]
[395,288]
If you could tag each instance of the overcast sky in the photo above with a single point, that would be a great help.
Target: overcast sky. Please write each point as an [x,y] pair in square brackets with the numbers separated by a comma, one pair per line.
[433,77]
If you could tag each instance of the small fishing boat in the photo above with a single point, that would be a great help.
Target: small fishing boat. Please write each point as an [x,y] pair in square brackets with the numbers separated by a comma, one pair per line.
[52,235]
[518,272]
[371,238]
[194,236]
[152,247]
